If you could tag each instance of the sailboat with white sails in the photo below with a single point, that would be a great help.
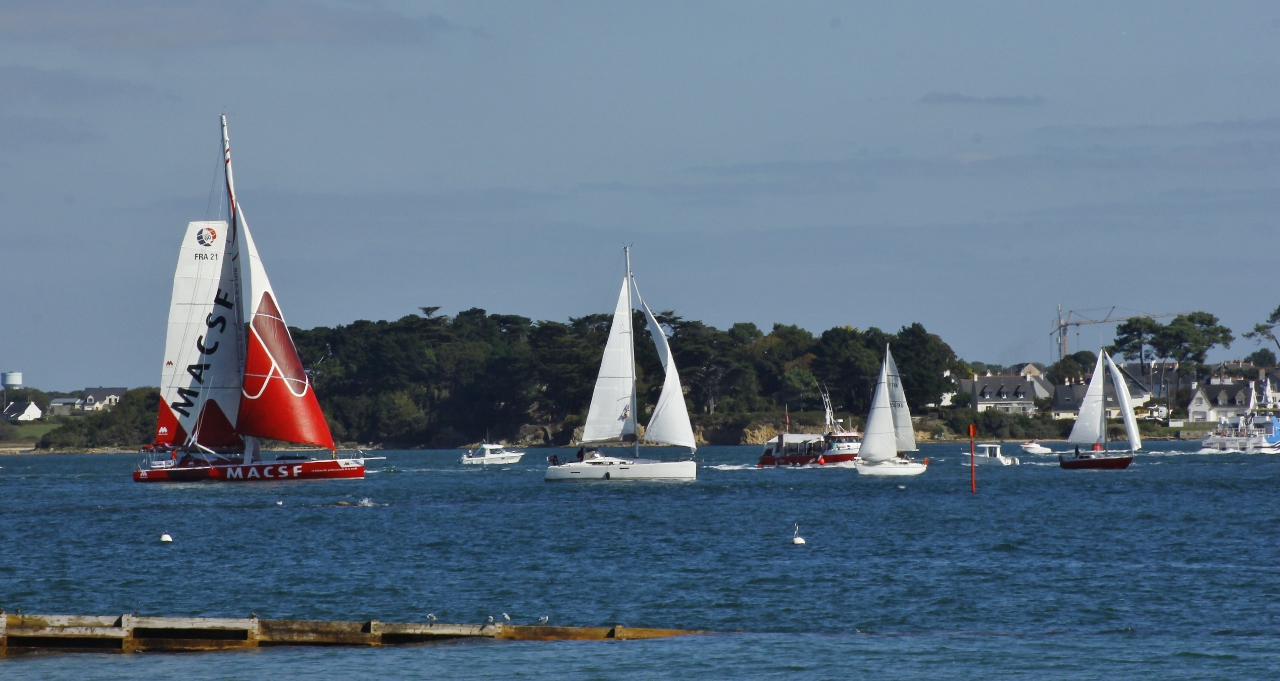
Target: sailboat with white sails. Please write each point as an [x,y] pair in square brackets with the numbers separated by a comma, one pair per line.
[889,434]
[611,417]
[232,374]
[1091,423]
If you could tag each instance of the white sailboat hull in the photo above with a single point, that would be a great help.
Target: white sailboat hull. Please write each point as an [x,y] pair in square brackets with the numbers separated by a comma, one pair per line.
[490,459]
[892,467]
[610,468]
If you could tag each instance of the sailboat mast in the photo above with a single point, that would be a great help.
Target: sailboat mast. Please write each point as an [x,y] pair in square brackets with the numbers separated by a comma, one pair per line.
[635,447]
[1104,410]
[233,241]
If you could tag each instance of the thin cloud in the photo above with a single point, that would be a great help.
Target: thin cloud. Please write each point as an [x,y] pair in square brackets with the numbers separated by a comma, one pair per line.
[999,100]
[141,24]
[18,132]
[28,85]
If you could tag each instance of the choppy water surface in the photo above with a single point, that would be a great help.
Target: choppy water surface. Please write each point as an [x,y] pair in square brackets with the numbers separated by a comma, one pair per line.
[1170,568]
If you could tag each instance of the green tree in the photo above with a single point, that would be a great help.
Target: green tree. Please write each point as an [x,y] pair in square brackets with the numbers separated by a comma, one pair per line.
[1133,338]
[1267,330]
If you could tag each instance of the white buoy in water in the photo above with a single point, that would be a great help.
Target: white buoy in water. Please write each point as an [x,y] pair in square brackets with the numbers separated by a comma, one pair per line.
[165,537]
[796,538]
[279,503]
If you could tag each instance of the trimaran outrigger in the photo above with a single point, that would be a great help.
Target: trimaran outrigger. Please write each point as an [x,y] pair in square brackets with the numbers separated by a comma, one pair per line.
[231,378]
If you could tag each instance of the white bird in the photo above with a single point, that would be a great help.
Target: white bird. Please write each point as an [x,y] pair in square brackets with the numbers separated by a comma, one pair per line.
[431,616]
[279,503]
[165,537]
[506,618]
[489,620]
[544,619]
[796,538]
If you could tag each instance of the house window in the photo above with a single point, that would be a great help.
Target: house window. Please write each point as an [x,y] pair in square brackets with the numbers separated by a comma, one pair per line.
[1199,401]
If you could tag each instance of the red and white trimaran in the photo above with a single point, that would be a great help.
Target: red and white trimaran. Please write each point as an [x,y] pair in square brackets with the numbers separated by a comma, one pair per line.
[232,377]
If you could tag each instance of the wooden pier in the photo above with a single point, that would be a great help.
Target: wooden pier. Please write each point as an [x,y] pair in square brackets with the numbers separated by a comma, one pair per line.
[20,633]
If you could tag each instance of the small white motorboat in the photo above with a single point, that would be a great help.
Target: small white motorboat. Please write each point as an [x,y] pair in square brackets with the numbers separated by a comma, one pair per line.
[1033,447]
[595,466]
[989,454]
[491,454]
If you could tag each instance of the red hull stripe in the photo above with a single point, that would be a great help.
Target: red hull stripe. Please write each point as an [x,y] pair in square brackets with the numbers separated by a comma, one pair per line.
[257,472]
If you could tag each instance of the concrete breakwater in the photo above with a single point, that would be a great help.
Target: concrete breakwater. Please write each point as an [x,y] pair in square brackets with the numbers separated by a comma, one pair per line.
[20,633]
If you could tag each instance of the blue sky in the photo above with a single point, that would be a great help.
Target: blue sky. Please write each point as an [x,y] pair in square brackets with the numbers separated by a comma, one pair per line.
[965,165]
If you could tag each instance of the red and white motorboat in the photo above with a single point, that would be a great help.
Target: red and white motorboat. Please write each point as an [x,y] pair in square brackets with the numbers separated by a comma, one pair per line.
[231,371]
[836,446]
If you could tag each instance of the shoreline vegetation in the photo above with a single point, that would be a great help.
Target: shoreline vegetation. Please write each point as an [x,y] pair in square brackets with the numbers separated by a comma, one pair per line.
[429,381]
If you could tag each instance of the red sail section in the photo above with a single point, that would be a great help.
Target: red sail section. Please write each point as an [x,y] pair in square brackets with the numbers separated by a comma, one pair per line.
[277,401]
[169,433]
[214,429]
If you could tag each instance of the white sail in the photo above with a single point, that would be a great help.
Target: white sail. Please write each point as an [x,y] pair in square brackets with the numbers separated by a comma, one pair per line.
[670,421]
[1089,423]
[202,357]
[612,412]
[904,430]
[1126,405]
[880,442]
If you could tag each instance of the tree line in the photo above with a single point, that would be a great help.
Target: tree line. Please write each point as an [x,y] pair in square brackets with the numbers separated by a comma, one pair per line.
[437,380]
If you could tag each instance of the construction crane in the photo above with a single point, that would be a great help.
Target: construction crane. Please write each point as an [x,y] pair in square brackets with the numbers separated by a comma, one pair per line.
[1062,324]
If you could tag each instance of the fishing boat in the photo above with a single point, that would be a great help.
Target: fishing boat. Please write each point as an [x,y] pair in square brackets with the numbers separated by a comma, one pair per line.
[232,375]
[1033,447]
[1091,423]
[611,418]
[835,446]
[988,454]
[491,454]
[889,434]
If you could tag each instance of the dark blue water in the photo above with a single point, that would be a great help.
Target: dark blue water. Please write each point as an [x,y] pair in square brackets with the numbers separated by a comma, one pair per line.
[1170,568]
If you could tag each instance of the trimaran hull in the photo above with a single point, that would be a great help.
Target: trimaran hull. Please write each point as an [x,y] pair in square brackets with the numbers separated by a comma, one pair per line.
[621,469]
[323,469]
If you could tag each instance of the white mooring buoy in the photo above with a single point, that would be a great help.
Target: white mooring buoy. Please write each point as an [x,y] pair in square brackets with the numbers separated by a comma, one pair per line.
[796,538]
[279,503]
[165,537]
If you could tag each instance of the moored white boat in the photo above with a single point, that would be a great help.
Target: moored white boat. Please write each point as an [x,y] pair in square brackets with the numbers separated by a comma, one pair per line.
[889,434]
[611,418]
[491,454]
[987,454]
[1034,447]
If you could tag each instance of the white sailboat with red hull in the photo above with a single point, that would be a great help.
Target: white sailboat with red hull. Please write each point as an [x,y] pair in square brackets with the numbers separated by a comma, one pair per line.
[232,377]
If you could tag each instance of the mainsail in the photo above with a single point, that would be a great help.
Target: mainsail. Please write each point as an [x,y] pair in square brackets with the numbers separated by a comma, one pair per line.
[880,441]
[1090,423]
[904,430]
[670,421]
[252,353]
[612,414]
[1126,404]
[200,380]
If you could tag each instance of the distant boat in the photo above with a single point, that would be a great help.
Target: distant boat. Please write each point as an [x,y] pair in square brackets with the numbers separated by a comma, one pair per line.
[1033,447]
[1256,431]
[491,454]
[612,415]
[231,373]
[987,454]
[1091,423]
[889,434]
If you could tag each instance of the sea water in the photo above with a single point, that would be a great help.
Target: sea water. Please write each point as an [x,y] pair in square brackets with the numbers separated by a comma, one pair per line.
[1168,569]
